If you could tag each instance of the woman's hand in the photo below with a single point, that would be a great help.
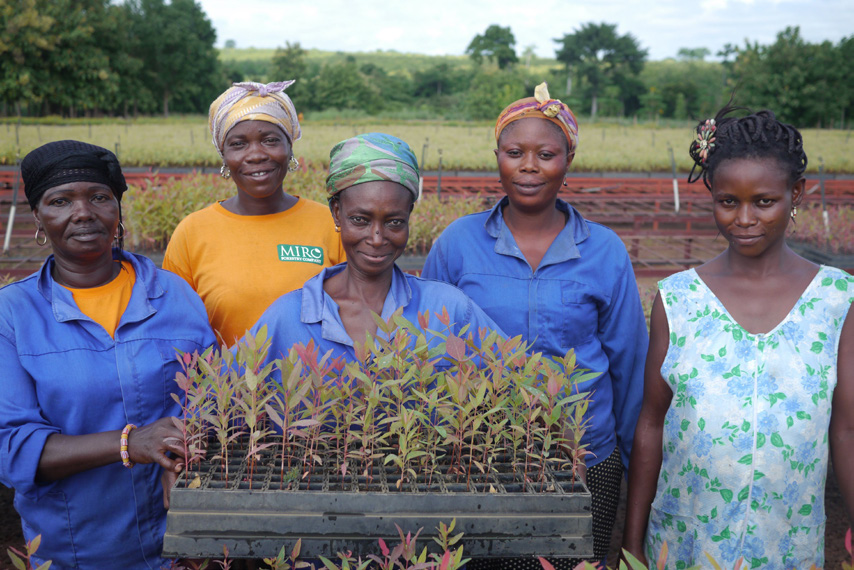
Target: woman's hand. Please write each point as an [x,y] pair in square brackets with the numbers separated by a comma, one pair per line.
[66,455]
[151,443]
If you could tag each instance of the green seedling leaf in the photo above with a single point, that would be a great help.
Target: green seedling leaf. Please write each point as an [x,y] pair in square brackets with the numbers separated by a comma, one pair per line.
[16,561]
[634,563]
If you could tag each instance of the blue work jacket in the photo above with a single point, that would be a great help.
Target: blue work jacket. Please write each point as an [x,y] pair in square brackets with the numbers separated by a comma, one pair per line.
[61,372]
[311,314]
[582,296]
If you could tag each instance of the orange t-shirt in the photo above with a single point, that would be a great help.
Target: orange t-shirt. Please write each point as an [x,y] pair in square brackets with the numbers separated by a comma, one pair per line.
[239,265]
[106,304]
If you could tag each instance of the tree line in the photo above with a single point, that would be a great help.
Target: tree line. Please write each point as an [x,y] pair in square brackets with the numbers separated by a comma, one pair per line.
[93,58]
[83,57]
[598,73]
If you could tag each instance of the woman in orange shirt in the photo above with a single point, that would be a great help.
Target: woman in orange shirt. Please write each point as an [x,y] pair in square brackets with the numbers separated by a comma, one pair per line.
[243,253]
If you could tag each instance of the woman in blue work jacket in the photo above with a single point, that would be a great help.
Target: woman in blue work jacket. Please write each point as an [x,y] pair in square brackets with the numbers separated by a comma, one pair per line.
[87,365]
[540,270]
[372,187]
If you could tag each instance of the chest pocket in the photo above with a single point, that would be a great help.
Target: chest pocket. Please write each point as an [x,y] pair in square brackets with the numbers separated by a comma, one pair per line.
[579,316]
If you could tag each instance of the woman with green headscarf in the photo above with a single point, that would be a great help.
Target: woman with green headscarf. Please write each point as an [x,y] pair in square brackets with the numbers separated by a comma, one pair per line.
[372,186]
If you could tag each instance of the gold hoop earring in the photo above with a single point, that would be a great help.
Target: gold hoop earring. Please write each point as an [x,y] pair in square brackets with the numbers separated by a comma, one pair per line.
[41,243]
[794,213]
[293,164]
[224,171]
[120,232]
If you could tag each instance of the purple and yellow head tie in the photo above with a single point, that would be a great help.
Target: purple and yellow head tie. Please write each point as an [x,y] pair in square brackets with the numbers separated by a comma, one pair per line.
[250,101]
[370,157]
[541,106]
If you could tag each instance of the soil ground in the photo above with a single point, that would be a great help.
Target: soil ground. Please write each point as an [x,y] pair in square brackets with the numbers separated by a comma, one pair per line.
[835,555]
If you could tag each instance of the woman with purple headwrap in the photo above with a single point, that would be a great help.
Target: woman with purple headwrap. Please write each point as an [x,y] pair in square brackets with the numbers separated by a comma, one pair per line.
[542,271]
[241,254]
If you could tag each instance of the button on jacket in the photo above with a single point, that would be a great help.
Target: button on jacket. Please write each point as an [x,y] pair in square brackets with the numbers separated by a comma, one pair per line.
[60,372]
[582,296]
[310,314]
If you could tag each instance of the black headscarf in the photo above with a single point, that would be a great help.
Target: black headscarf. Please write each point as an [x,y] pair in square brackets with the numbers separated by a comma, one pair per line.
[61,162]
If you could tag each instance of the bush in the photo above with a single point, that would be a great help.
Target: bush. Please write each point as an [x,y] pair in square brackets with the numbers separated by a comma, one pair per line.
[152,212]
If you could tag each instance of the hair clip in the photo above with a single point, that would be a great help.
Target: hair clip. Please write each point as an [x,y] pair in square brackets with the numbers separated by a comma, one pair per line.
[705,142]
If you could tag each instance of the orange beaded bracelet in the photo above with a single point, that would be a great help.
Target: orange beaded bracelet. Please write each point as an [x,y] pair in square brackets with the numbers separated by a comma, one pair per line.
[124,446]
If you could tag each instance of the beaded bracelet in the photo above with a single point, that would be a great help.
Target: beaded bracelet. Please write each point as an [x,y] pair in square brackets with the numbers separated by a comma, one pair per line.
[124,446]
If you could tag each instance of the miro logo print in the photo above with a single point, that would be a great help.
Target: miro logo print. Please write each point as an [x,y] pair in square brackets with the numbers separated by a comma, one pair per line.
[302,253]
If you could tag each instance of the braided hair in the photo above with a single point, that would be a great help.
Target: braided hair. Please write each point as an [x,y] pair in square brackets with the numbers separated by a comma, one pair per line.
[757,135]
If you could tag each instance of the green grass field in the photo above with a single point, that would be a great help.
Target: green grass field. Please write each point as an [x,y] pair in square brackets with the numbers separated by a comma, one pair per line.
[464,146]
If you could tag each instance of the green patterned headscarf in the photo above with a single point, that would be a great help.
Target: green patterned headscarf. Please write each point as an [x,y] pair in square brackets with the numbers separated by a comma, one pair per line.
[369,157]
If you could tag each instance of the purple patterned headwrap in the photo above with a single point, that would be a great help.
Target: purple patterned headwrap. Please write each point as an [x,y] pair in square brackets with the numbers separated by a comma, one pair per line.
[541,106]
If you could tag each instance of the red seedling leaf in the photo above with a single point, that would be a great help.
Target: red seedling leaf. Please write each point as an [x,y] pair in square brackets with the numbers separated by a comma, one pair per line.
[545,563]
[848,543]
[424,320]
[445,318]
[383,548]
[553,386]
[187,358]
[456,347]
[446,560]
[183,381]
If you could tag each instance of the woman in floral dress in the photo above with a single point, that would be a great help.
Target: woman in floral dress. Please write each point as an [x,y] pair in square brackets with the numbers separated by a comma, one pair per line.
[750,374]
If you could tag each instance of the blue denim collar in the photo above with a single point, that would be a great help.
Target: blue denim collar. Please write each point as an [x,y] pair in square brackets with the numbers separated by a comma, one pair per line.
[62,301]
[563,248]
[319,307]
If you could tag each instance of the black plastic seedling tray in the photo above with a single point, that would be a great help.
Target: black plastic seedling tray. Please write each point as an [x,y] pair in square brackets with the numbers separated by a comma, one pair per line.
[499,513]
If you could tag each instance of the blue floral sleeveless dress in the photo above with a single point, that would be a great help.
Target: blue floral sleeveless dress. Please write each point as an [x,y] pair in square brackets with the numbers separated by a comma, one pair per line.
[746,436]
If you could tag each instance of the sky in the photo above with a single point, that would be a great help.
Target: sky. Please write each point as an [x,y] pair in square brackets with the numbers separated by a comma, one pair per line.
[445,27]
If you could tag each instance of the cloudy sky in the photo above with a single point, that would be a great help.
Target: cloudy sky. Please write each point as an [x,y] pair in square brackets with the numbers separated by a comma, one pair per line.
[447,26]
